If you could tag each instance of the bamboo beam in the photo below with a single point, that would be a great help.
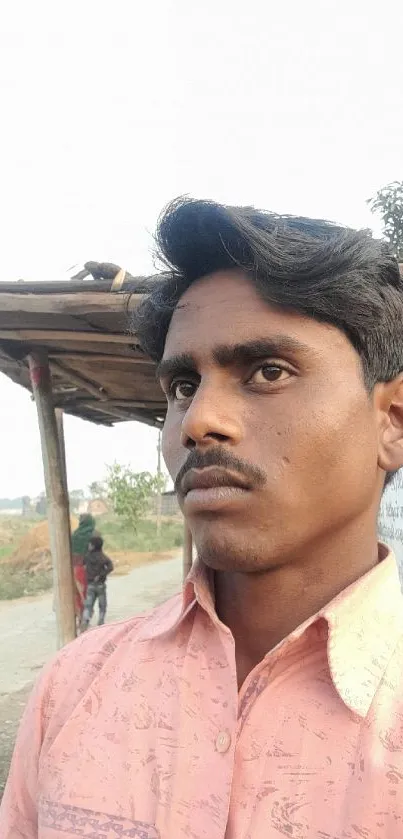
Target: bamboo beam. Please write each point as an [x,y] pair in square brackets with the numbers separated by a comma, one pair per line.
[71,375]
[139,285]
[57,500]
[100,357]
[129,403]
[70,399]
[187,550]
[40,336]
[112,411]
[80,303]
[120,403]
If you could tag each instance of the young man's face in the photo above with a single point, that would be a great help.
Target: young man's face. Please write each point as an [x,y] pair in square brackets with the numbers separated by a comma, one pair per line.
[275,403]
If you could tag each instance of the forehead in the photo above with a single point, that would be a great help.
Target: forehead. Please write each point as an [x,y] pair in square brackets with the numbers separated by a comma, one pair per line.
[226,309]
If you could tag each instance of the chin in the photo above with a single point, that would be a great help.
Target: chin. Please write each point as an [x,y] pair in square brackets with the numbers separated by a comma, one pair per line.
[225,552]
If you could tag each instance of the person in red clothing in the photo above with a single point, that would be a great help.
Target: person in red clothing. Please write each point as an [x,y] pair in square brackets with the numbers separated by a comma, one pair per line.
[79,548]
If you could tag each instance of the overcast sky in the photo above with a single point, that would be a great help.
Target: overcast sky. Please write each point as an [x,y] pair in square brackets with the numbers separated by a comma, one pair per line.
[109,110]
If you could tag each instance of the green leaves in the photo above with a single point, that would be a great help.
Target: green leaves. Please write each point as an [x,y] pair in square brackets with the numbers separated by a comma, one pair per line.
[131,492]
[388,203]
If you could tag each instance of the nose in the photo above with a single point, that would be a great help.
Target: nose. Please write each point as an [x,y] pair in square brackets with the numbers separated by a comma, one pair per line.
[214,416]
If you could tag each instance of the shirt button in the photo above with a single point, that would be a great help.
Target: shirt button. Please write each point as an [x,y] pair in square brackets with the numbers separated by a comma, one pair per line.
[223,742]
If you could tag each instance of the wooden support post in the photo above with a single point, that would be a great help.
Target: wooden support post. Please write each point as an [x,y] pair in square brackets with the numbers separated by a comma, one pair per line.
[60,434]
[57,499]
[159,495]
[187,551]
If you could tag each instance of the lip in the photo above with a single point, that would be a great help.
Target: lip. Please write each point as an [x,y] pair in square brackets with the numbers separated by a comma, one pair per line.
[212,489]
[214,498]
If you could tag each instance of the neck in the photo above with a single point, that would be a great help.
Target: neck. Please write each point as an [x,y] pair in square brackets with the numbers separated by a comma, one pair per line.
[261,609]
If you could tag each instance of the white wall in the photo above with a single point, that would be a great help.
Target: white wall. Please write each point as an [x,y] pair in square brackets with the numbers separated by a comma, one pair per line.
[391,519]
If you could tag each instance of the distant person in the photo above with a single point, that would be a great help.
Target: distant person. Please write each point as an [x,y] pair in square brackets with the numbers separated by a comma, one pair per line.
[79,548]
[97,566]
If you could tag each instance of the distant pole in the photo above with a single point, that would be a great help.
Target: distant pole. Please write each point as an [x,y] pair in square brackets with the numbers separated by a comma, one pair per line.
[159,496]
[57,498]
[187,550]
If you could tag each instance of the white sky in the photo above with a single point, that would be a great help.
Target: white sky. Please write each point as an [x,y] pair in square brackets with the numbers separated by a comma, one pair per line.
[109,110]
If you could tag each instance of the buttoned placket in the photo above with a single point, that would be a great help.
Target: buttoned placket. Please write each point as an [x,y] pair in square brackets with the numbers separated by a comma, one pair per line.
[259,679]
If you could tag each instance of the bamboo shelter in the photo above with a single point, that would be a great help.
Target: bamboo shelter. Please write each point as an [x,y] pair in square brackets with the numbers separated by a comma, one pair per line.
[70,345]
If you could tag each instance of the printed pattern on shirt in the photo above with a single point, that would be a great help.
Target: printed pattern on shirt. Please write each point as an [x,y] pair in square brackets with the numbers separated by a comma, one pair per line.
[144,719]
[77,821]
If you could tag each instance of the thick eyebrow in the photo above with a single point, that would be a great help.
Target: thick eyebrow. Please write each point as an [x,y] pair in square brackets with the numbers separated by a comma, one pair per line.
[179,364]
[277,346]
[227,355]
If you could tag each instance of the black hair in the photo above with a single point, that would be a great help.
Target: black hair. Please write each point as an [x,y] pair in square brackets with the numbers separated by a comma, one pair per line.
[328,272]
[331,273]
[96,543]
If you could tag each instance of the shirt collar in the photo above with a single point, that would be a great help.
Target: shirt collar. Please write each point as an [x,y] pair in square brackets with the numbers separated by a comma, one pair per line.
[364,623]
[198,589]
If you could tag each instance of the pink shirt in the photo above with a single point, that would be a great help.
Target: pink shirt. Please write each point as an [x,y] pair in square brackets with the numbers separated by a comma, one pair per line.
[138,730]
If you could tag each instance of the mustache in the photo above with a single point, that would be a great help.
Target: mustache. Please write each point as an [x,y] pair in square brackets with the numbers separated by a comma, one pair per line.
[221,458]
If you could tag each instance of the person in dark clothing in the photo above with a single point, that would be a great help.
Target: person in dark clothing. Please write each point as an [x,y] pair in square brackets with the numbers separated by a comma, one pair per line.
[98,566]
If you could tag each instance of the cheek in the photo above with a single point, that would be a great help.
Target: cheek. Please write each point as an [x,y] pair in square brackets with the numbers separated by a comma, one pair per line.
[317,434]
[172,450]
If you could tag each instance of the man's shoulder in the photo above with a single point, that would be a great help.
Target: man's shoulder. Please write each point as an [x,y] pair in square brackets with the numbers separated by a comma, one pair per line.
[101,642]
[70,673]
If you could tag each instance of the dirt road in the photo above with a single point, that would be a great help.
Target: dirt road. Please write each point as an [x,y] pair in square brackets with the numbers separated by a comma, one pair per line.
[27,632]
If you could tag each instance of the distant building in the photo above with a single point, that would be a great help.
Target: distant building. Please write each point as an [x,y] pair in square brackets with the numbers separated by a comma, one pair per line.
[96,507]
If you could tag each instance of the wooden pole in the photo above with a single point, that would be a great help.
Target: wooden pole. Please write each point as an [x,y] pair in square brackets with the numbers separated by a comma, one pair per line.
[187,551]
[60,435]
[57,498]
[159,495]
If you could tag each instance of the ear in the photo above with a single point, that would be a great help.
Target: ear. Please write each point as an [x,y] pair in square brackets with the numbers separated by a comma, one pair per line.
[389,399]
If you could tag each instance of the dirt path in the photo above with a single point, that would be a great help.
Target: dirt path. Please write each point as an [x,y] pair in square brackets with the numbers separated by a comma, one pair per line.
[27,632]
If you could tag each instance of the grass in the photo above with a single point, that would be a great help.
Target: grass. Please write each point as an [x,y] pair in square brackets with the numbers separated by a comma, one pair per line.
[119,537]
[17,581]
[12,529]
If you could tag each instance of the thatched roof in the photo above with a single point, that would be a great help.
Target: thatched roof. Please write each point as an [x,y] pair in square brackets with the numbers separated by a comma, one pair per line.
[99,372]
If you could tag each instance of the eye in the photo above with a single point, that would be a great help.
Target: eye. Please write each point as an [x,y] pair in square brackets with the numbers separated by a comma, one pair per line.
[180,391]
[269,372]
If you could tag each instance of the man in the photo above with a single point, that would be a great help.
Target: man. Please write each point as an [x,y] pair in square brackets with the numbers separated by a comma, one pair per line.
[98,566]
[267,700]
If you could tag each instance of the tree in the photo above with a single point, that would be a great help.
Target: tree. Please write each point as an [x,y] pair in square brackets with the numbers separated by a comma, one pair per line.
[131,492]
[388,202]
[76,497]
[26,505]
[97,490]
[41,505]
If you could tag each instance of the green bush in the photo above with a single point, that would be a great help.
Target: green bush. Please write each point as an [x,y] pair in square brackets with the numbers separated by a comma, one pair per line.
[18,582]
[119,537]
